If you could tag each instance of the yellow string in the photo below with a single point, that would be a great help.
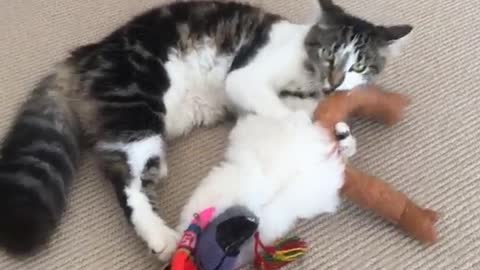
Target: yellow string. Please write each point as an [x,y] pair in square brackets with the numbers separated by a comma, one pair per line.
[281,255]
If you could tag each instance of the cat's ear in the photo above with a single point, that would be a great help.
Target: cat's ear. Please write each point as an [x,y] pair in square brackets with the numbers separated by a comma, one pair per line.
[330,13]
[394,38]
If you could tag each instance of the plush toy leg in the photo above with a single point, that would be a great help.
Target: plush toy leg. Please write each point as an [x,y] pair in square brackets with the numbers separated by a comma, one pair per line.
[372,193]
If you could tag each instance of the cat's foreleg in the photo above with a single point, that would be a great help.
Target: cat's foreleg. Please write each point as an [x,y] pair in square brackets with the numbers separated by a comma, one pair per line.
[248,94]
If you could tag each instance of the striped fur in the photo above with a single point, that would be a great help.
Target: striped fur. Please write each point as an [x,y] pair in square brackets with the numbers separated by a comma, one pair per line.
[38,161]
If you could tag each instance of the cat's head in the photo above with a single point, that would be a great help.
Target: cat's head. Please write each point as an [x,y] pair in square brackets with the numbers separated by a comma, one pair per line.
[346,51]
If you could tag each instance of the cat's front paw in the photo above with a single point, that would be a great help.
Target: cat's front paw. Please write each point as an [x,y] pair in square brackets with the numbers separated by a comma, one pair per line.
[164,243]
[347,144]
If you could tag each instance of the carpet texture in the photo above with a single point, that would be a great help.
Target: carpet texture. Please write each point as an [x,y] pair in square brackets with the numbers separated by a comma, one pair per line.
[432,155]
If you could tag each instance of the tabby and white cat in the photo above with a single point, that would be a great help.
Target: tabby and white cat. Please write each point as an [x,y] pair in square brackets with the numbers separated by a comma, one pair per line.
[163,73]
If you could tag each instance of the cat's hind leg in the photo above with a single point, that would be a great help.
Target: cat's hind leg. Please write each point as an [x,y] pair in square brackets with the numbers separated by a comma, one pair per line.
[134,168]
[132,154]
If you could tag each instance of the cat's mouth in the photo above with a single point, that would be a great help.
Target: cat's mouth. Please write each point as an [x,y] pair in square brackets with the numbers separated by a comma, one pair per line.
[299,94]
[327,91]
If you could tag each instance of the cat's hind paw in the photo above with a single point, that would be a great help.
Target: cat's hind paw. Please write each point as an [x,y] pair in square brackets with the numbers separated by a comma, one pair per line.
[164,243]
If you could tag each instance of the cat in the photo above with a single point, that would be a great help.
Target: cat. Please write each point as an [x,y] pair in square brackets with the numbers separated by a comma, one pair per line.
[282,169]
[163,73]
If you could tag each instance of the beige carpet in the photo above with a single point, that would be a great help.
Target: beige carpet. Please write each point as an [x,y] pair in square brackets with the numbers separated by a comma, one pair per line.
[433,155]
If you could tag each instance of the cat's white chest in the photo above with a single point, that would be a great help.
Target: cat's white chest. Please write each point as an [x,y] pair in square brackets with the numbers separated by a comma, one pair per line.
[196,95]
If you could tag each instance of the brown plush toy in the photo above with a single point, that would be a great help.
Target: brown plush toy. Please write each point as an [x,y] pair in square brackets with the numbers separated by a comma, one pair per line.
[365,190]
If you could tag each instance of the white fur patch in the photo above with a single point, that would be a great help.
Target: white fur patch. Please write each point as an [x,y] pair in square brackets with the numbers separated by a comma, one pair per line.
[196,95]
[280,63]
[281,169]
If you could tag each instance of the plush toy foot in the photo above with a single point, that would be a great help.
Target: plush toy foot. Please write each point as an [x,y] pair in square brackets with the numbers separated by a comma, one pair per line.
[220,243]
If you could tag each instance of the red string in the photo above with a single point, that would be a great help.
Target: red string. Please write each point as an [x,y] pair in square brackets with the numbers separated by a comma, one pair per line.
[259,260]
[258,257]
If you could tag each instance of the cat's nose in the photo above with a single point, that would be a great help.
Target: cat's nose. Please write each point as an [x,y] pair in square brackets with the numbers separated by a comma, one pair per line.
[336,78]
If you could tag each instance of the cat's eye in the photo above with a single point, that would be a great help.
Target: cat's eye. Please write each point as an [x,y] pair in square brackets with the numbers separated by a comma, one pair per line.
[358,67]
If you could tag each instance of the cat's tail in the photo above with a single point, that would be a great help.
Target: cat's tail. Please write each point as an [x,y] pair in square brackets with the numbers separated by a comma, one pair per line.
[38,159]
